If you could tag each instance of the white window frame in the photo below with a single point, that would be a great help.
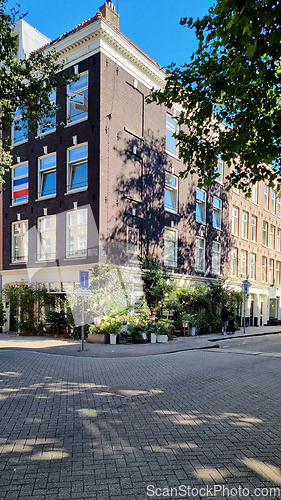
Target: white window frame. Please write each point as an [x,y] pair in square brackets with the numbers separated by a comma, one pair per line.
[21,182]
[170,130]
[19,124]
[279,205]
[71,165]
[253,229]
[172,193]
[23,235]
[200,258]
[271,271]
[277,272]
[245,225]
[235,221]
[273,202]
[278,240]
[264,269]
[43,173]
[72,244]
[244,263]
[217,212]
[234,262]
[42,130]
[253,270]
[266,197]
[201,210]
[255,189]
[170,243]
[216,258]
[81,93]
[42,232]
[272,236]
[219,170]
[265,233]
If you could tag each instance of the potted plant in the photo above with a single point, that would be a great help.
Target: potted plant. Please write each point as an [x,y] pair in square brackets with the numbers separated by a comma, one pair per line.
[97,335]
[162,331]
[191,319]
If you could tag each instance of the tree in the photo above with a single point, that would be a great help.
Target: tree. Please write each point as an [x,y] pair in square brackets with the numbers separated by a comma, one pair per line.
[24,84]
[155,281]
[230,94]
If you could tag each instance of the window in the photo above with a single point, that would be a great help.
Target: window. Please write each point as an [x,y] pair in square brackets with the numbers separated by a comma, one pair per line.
[220,170]
[49,123]
[200,205]
[216,258]
[279,206]
[272,236]
[273,201]
[264,269]
[46,243]
[234,262]
[252,266]
[47,176]
[265,197]
[255,193]
[277,272]
[244,259]
[19,128]
[265,233]
[171,128]
[170,247]
[235,215]
[278,240]
[77,168]
[19,241]
[20,183]
[76,235]
[200,254]
[245,219]
[217,204]
[254,228]
[171,192]
[271,271]
[77,102]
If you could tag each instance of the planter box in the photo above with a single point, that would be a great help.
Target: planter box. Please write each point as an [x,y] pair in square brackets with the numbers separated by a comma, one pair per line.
[98,338]
[112,338]
[153,338]
[162,338]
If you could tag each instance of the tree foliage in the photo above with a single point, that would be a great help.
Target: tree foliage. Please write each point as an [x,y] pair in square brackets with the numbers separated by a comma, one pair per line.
[156,281]
[25,84]
[230,94]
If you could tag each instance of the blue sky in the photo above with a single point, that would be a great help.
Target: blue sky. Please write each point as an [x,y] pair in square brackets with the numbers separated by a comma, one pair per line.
[152,25]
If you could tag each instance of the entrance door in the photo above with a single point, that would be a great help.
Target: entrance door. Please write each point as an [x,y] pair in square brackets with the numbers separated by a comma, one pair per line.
[252,312]
[13,327]
[272,308]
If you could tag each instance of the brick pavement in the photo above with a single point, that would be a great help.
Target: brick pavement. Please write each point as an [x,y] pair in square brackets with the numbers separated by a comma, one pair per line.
[105,429]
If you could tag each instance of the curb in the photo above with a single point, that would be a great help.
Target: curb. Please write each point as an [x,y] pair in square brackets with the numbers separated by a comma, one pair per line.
[244,336]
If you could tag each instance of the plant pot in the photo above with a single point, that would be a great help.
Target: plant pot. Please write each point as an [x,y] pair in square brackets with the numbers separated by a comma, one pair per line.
[162,339]
[192,331]
[112,337]
[144,335]
[98,338]
[153,338]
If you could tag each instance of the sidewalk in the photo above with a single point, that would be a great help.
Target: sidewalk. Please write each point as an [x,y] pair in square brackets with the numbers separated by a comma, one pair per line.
[73,347]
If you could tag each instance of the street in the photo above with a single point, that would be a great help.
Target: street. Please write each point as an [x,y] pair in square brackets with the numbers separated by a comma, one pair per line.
[193,424]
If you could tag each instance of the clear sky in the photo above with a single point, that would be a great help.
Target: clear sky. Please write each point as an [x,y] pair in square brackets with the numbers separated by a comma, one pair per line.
[153,25]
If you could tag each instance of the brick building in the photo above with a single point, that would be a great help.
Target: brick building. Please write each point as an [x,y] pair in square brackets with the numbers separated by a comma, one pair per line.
[103,181]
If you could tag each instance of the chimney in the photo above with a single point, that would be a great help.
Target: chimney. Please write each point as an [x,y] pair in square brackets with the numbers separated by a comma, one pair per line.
[109,13]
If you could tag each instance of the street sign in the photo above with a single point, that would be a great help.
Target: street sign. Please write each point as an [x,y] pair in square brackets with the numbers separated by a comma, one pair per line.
[84,293]
[84,279]
[246,288]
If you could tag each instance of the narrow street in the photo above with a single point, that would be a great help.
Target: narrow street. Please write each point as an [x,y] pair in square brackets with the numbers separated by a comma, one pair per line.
[193,424]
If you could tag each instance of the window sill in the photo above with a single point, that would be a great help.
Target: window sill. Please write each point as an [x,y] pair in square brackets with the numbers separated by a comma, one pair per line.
[172,155]
[135,135]
[48,132]
[40,261]
[19,143]
[79,190]
[217,228]
[254,242]
[42,198]
[18,263]
[76,257]
[201,222]
[19,204]
[70,124]
[174,212]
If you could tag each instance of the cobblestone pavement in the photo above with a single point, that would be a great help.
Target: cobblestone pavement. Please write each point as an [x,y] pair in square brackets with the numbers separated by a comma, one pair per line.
[117,429]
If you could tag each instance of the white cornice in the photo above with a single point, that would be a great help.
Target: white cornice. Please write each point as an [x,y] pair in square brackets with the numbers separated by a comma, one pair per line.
[99,36]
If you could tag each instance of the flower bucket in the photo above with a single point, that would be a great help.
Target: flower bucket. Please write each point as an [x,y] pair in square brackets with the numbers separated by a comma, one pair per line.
[153,338]
[162,339]
[192,331]
[112,338]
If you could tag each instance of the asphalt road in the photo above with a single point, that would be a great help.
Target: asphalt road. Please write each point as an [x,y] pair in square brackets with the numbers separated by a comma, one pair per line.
[193,424]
